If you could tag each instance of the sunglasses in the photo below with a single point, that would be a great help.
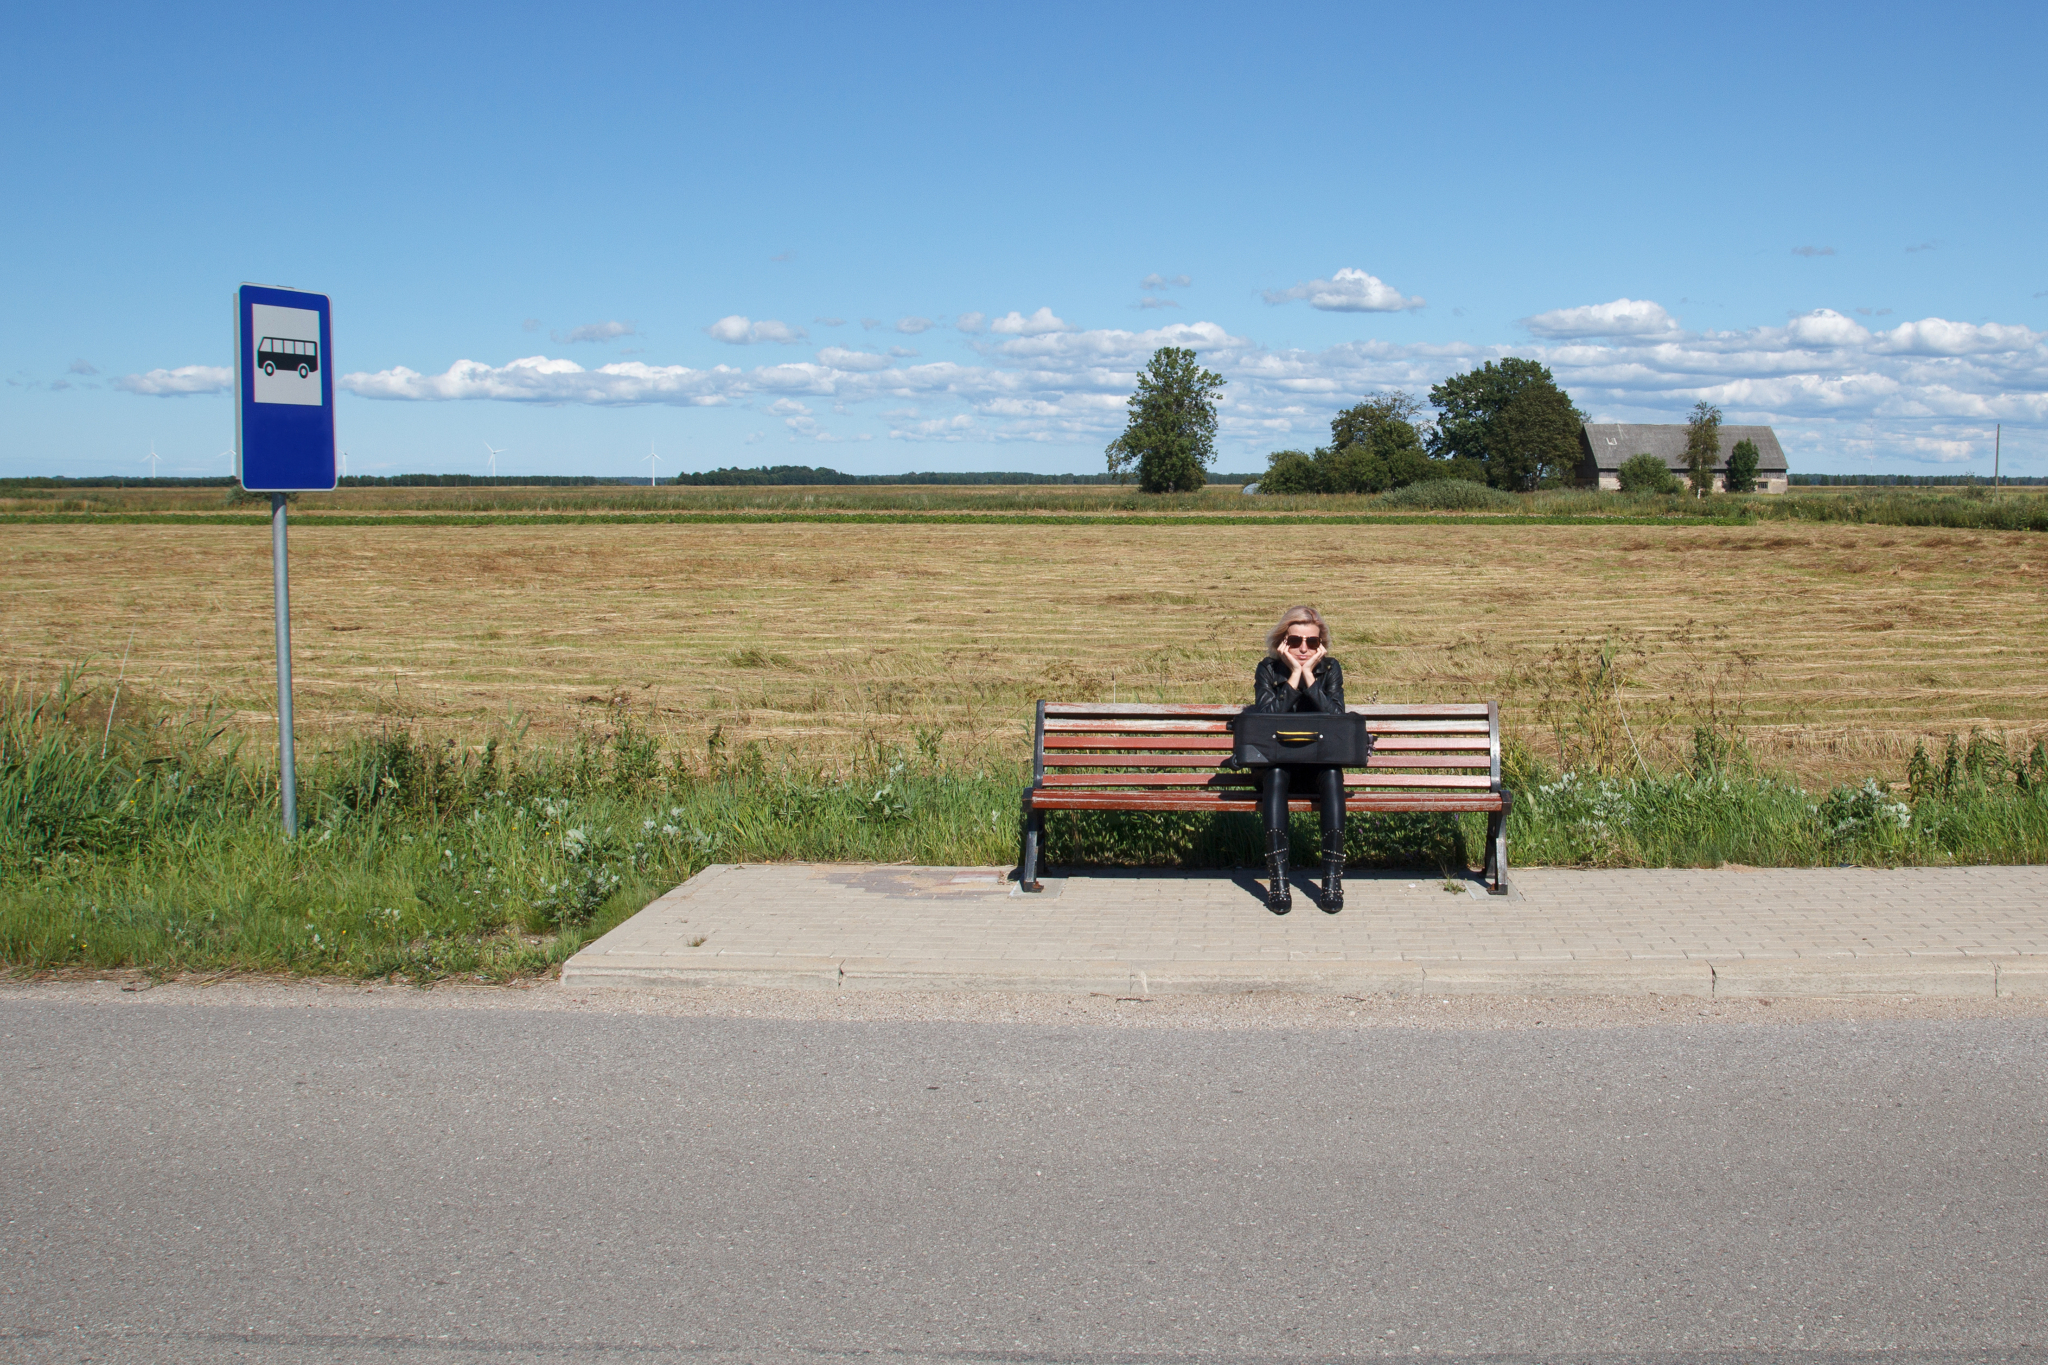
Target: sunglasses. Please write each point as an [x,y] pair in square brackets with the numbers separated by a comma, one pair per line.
[1304,641]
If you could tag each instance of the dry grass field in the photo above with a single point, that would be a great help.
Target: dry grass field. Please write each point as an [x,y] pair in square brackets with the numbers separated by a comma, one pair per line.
[1842,643]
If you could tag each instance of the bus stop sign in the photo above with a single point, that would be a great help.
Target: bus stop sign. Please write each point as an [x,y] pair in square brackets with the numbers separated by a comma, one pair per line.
[284,390]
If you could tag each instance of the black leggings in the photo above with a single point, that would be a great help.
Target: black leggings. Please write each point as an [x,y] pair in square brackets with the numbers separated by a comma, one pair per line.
[1325,785]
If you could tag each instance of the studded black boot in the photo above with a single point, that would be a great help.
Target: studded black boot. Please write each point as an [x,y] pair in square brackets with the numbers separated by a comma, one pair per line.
[1279,898]
[1332,897]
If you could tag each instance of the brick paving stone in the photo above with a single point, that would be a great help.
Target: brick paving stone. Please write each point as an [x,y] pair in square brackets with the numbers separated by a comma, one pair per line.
[1831,930]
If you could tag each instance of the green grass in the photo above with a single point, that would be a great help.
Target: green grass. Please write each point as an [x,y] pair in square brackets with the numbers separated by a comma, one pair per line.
[156,844]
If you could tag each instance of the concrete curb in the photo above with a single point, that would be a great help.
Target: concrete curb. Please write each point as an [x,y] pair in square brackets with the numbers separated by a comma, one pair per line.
[1744,980]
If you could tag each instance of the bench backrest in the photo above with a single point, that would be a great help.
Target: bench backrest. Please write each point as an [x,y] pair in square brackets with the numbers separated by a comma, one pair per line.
[1451,746]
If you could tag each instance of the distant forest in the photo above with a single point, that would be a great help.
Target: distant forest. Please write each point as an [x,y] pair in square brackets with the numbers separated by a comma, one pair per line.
[1913,480]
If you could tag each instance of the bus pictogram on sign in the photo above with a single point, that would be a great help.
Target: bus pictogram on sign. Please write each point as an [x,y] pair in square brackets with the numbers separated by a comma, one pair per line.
[276,353]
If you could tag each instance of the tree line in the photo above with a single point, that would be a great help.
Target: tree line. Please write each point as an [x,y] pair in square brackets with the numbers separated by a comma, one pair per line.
[1506,424]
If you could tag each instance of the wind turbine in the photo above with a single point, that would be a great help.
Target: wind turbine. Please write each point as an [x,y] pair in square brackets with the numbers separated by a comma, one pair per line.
[651,459]
[151,457]
[344,464]
[495,453]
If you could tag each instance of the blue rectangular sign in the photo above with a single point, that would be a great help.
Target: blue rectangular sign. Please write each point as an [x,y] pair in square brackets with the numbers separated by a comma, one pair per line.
[284,390]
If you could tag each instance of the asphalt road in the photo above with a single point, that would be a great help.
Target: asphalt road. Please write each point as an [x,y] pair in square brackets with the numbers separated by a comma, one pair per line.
[220,1182]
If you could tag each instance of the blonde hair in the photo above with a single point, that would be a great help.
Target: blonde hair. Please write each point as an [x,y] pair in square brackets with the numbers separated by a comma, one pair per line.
[1294,616]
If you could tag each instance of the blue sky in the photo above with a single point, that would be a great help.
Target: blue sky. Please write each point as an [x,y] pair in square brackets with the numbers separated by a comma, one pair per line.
[943,237]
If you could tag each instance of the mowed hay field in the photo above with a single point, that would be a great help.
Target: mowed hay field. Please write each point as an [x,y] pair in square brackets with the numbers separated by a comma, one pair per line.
[1845,644]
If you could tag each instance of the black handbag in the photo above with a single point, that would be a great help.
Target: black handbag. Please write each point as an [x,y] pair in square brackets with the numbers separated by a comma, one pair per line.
[1267,740]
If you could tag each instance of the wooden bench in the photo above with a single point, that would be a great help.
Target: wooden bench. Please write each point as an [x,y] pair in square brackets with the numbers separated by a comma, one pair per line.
[1129,756]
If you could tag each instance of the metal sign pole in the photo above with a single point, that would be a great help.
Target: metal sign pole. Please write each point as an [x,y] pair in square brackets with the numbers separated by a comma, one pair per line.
[287,779]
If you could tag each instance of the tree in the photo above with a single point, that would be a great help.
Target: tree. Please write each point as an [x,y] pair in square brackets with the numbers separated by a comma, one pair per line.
[1359,423]
[1702,446]
[1510,419]
[1742,463]
[1645,473]
[1170,435]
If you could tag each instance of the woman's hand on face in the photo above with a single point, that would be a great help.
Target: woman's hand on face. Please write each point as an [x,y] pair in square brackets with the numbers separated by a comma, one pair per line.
[1308,669]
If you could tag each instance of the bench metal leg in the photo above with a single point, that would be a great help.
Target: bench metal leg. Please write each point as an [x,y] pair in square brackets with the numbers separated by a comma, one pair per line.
[1034,843]
[1496,870]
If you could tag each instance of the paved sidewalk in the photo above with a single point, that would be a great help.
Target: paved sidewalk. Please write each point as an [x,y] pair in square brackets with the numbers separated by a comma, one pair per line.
[1978,931]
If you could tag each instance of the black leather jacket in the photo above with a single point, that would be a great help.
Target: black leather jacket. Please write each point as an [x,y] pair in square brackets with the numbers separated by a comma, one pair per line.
[1271,692]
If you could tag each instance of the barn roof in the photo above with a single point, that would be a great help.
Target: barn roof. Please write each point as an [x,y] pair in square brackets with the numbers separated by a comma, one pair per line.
[1610,443]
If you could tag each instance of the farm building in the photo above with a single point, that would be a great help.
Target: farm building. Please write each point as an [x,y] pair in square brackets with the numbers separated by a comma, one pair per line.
[1604,445]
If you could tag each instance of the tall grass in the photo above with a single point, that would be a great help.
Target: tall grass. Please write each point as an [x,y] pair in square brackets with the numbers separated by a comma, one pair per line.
[418,859]
[154,843]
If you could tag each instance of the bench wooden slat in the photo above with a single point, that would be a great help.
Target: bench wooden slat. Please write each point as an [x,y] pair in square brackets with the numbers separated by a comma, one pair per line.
[1427,727]
[1140,761]
[1139,727]
[1224,743]
[1217,781]
[1164,743]
[1391,802]
[1222,727]
[1143,710]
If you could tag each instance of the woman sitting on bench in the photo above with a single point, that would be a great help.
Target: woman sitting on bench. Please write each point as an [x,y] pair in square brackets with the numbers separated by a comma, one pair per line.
[1298,674]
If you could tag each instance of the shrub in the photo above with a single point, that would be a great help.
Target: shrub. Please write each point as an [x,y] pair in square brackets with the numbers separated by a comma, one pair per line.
[1646,473]
[1451,495]
[1290,471]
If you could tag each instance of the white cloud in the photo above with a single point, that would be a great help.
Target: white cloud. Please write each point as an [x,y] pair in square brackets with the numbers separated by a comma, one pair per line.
[179,382]
[960,428]
[1038,324]
[840,358]
[82,367]
[1157,282]
[971,323]
[901,352]
[529,325]
[1348,291]
[1824,328]
[912,326]
[1813,251]
[1924,390]
[1937,336]
[1623,317]
[1151,302]
[829,322]
[597,331]
[739,331]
